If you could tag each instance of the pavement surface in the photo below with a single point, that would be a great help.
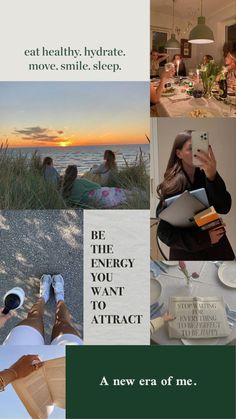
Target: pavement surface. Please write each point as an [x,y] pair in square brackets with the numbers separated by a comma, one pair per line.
[36,242]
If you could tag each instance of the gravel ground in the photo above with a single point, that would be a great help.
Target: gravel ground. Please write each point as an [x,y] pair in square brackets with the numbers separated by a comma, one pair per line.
[37,242]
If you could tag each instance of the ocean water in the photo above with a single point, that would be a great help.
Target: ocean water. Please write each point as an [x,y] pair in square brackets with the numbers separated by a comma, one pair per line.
[85,157]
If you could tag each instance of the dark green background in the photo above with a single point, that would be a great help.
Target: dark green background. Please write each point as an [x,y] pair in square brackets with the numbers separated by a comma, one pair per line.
[212,367]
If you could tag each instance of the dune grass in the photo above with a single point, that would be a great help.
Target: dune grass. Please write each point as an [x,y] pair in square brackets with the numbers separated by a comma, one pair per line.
[22,185]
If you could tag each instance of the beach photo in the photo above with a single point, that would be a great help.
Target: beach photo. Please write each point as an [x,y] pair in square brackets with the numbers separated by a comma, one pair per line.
[193,59]
[74,145]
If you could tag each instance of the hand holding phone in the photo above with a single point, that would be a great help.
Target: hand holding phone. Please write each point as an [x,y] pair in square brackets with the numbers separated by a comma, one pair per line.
[203,155]
[200,141]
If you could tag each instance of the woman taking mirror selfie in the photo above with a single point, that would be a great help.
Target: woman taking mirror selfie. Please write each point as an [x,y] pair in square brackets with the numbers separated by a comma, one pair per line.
[193,243]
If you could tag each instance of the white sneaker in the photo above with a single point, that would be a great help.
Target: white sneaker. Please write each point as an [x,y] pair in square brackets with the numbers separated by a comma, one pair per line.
[45,285]
[58,286]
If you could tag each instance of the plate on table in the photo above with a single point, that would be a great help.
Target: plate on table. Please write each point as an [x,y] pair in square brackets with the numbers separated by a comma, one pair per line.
[170,91]
[201,342]
[227,273]
[155,290]
[170,262]
[202,113]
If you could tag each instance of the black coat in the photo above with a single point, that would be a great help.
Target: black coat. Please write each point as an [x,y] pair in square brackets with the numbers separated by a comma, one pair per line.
[193,243]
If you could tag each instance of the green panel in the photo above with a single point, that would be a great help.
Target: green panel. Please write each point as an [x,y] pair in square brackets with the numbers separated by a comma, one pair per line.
[211,368]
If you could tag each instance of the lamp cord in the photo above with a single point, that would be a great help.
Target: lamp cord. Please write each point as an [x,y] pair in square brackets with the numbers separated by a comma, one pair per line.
[201,7]
[173,18]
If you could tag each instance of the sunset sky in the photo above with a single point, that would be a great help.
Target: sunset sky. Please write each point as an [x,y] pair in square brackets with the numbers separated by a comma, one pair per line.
[41,114]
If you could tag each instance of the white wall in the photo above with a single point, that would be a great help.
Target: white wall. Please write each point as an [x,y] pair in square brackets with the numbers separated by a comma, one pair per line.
[222,138]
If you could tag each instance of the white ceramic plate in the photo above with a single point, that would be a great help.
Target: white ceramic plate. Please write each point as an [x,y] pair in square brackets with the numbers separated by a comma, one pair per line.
[170,262]
[227,273]
[168,94]
[200,342]
[155,290]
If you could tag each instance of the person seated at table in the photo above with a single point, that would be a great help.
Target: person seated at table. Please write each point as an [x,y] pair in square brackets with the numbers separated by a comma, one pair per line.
[50,174]
[192,243]
[206,59]
[156,92]
[180,69]
[158,322]
[107,169]
[81,191]
[155,59]
[230,61]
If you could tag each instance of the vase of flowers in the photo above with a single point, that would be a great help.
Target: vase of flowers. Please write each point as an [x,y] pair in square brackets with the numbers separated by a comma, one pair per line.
[188,277]
[209,74]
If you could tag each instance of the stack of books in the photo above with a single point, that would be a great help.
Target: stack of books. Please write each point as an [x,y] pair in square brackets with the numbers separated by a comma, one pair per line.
[208,219]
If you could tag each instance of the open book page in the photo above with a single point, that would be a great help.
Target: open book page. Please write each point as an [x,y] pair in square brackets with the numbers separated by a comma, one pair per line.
[36,392]
[198,317]
[55,372]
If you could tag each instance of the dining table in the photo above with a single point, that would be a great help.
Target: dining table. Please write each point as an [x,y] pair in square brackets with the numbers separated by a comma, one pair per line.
[209,283]
[182,104]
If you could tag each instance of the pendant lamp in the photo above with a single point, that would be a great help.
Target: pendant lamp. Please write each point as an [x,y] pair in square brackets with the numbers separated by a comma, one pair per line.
[172,43]
[201,34]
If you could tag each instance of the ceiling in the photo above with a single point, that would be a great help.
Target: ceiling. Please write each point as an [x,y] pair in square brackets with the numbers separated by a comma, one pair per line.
[183,8]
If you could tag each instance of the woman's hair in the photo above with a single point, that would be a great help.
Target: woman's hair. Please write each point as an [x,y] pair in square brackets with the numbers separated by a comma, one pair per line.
[175,180]
[208,57]
[233,55]
[47,161]
[110,159]
[177,55]
[68,180]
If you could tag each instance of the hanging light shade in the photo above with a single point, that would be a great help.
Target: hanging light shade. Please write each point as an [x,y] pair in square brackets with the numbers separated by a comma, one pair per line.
[201,34]
[172,43]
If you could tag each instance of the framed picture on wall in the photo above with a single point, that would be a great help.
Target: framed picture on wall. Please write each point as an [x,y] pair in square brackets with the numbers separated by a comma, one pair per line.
[159,37]
[186,48]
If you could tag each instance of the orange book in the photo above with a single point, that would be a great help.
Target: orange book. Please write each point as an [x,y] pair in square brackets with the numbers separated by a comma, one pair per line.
[206,216]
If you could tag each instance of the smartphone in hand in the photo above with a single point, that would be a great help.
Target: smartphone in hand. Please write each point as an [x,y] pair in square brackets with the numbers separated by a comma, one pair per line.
[200,141]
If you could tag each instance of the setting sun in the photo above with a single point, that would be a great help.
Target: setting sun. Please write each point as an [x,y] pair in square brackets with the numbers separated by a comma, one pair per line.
[64,143]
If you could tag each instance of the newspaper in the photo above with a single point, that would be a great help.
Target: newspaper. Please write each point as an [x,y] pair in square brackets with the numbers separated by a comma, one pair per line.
[43,389]
[198,317]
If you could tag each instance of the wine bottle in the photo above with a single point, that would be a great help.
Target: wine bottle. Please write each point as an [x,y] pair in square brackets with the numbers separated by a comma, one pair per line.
[223,86]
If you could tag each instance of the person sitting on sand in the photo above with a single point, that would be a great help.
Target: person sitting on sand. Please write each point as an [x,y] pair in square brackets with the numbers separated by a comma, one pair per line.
[107,169]
[81,191]
[49,172]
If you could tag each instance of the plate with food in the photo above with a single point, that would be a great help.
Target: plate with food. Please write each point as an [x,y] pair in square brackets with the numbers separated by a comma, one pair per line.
[201,113]
[169,91]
